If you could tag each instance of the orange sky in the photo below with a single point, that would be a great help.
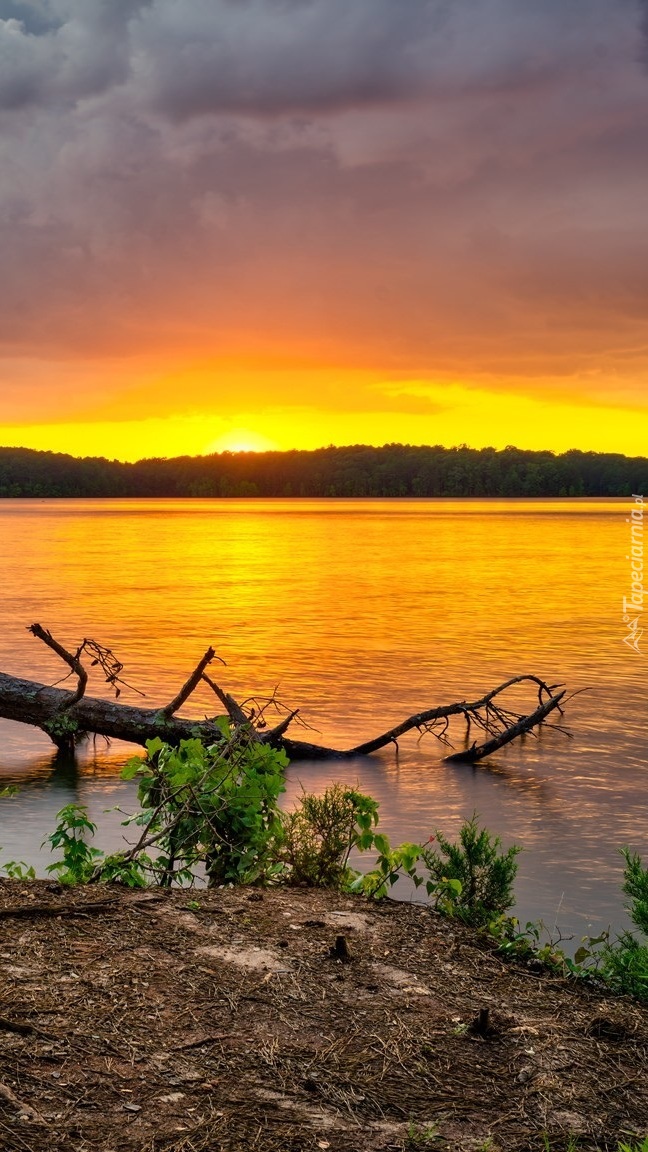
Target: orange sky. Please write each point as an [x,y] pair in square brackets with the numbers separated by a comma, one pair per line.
[229,227]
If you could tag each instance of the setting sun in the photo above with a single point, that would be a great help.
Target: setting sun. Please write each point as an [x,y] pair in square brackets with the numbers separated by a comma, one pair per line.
[241,440]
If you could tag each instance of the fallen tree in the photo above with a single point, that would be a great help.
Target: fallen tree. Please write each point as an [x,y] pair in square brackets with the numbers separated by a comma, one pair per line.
[68,717]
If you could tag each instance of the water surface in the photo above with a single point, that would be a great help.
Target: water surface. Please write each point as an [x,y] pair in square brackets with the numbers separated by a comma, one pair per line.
[362,612]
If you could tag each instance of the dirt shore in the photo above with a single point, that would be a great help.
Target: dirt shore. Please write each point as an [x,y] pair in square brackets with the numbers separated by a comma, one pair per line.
[221,1020]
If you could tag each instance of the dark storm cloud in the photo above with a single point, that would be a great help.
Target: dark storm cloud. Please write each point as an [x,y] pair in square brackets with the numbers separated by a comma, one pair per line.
[643,6]
[268,56]
[62,50]
[278,56]
[191,57]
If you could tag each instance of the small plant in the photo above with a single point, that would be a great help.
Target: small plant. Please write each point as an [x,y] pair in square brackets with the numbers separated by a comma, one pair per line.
[18,870]
[420,1136]
[79,859]
[625,962]
[390,864]
[636,887]
[472,879]
[119,869]
[319,835]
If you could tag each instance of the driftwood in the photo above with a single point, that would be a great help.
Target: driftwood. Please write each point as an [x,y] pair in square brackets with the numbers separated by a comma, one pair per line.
[68,716]
[83,908]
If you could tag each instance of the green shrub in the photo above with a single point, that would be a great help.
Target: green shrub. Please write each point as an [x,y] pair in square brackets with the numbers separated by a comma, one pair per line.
[625,962]
[215,806]
[636,887]
[319,835]
[477,864]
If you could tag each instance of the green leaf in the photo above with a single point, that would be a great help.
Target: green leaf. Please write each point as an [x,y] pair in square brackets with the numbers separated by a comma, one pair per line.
[132,767]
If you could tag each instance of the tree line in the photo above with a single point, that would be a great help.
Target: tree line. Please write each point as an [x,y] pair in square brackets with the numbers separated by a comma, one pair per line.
[396,470]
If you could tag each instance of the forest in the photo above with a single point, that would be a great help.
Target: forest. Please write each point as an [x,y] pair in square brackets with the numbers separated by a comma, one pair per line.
[394,470]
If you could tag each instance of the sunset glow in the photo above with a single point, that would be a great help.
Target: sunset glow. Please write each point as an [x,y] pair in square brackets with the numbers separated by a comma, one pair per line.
[436,235]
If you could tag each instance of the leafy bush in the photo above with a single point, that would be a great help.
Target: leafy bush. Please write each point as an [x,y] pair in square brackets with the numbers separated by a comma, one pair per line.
[472,879]
[636,887]
[625,962]
[319,835]
[390,864]
[216,806]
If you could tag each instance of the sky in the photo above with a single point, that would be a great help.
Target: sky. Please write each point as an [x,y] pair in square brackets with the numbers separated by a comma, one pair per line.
[248,224]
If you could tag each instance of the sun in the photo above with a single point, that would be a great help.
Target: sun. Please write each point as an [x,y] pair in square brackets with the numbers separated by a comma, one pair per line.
[241,440]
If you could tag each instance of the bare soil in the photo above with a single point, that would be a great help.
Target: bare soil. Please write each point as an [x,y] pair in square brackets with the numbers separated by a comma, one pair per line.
[223,1020]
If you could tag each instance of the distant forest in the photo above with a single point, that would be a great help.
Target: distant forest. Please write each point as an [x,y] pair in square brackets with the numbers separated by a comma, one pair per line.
[394,470]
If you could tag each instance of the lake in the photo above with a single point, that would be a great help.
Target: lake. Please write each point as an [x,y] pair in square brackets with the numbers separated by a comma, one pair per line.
[362,612]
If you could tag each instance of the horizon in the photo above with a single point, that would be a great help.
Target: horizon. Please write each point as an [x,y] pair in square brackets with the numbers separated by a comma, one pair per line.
[238,227]
[243,452]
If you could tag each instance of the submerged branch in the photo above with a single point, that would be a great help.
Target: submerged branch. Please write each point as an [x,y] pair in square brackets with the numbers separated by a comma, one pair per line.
[32,703]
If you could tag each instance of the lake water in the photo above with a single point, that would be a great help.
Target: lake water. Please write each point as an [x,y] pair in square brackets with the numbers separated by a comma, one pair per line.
[363,612]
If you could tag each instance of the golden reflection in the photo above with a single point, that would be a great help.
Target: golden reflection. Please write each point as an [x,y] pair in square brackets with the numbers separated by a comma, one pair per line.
[363,612]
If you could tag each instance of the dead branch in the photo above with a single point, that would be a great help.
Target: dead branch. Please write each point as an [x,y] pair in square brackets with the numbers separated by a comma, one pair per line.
[20,1027]
[191,684]
[234,710]
[33,911]
[83,908]
[427,720]
[110,665]
[32,703]
[279,729]
[524,724]
[73,662]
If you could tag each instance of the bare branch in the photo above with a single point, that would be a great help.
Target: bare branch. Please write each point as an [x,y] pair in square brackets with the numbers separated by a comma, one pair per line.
[109,664]
[73,662]
[434,714]
[281,727]
[190,685]
[525,724]
[234,710]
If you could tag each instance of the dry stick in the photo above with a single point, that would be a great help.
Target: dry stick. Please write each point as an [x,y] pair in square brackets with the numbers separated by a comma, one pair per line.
[281,727]
[234,710]
[18,1026]
[73,662]
[30,911]
[478,752]
[6,1093]
[191,684]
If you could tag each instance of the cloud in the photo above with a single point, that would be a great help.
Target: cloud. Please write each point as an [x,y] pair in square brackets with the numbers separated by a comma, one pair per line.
[270,57]
[62,50]
[424,189]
